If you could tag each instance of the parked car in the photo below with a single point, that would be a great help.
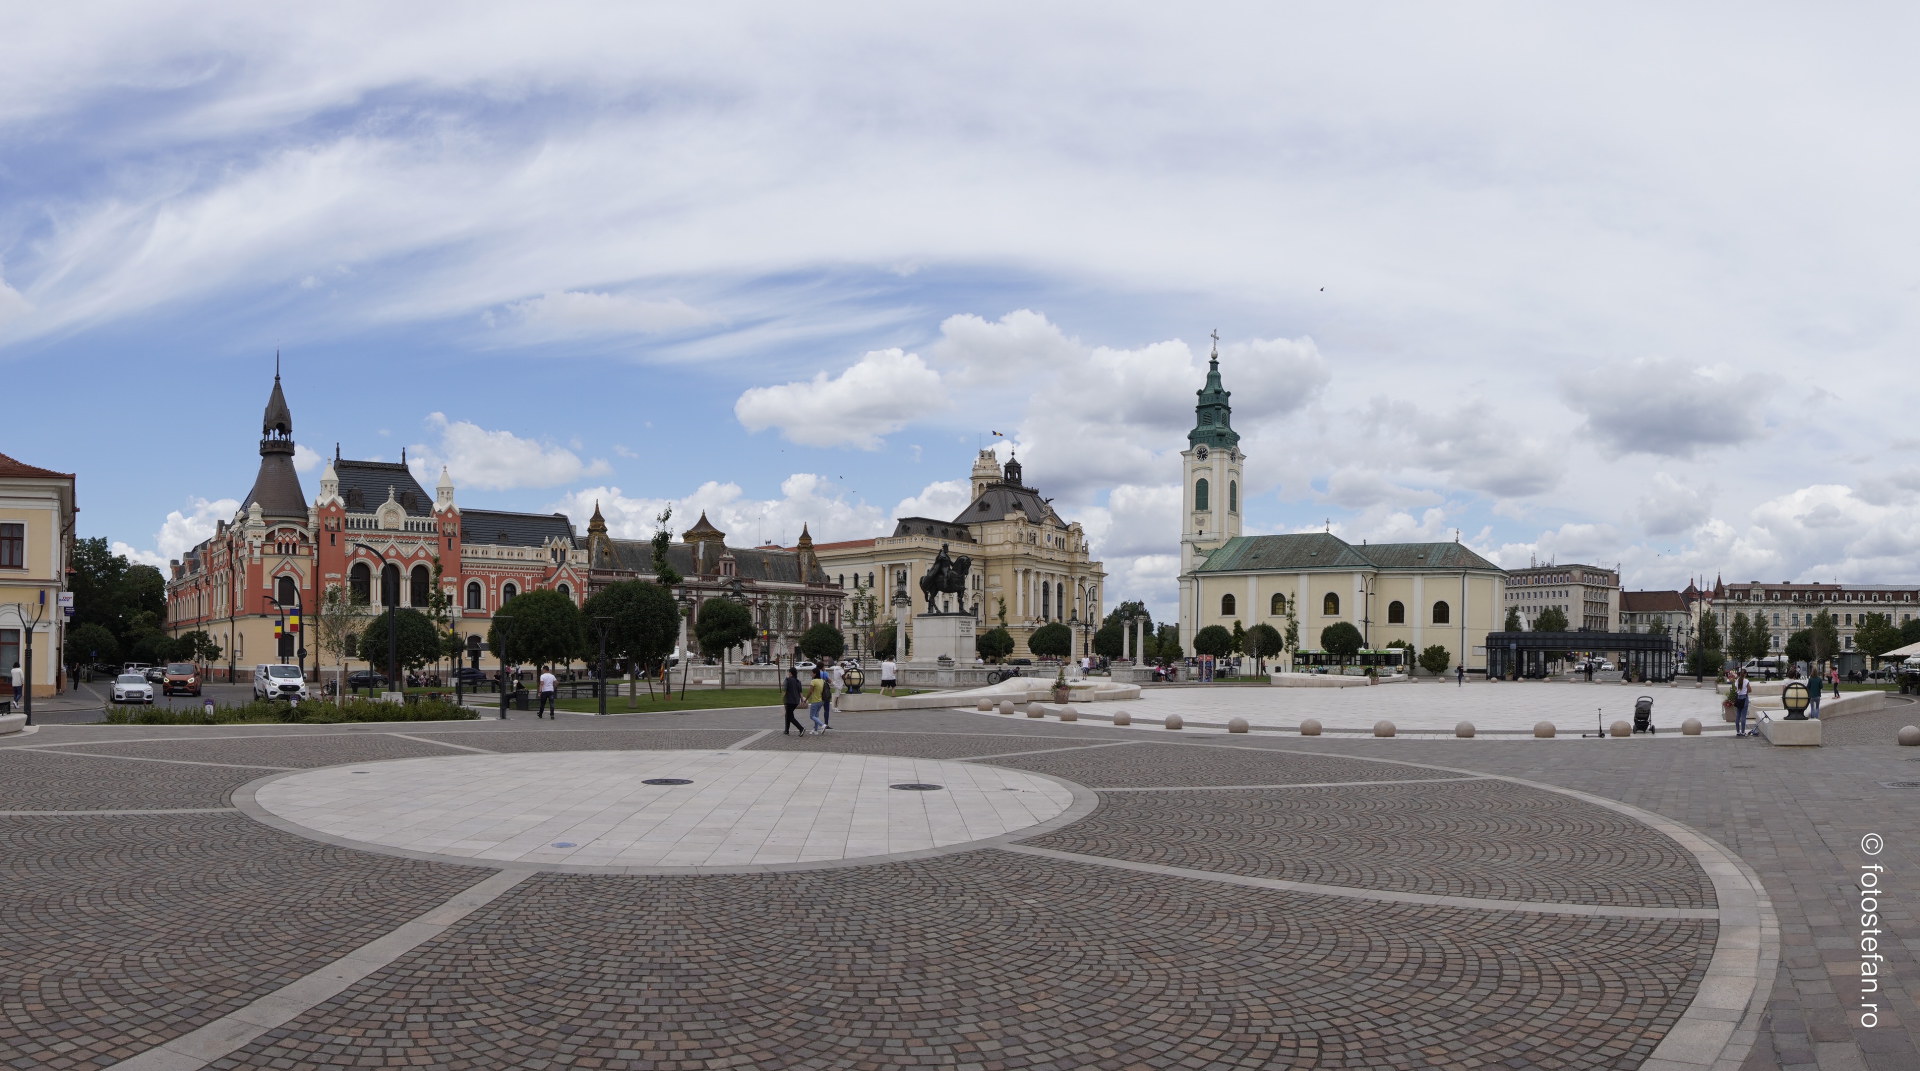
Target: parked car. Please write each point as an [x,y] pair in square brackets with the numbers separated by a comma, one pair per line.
[181,678]
[366,678]
[470,675]
[277,680]
[156,674]
[132,688]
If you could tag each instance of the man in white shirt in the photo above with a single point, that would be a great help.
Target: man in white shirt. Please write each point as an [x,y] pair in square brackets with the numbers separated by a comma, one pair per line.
[549,693]
[889,676]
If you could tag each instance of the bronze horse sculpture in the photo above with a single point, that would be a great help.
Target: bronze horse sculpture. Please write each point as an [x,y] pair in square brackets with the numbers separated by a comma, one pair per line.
[947,577]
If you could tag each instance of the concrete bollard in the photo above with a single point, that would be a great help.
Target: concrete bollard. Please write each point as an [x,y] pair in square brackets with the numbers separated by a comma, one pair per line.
[1383,728]
[1310,727]
[1909,736]
[1174,721]
[1690,727]
[1620,728]
[1543,730]
[1006,706]
[1069,714]
[1035,710]
[1121,717]
[1237,725]
[1464,730]
[985,704]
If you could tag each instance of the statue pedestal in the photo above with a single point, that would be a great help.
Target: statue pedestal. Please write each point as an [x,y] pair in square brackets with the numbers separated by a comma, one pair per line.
[943,634]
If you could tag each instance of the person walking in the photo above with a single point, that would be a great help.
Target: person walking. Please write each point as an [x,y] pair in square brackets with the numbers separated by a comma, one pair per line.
[549,694]
[889,676]
[1813,694]
[816,702]
[1741,693]
[1460,675]
[837,679]
[791,692]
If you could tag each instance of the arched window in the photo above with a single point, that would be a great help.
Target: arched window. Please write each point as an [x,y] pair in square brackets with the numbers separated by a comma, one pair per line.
[1200,495]
[1330,605]
[389,585]
[1233,496]
[508,591]
[360,583]
[1442,613]
[1060,598]
[1046,601]
[474,595]
[1396,613]
[1278,606]
[565,590]
[288,593]
[870,575]
[1226,606]
[422,585]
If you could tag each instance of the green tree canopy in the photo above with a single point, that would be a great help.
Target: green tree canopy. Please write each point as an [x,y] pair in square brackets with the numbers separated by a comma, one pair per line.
[881,639]
[994,644]
[1824,637]
[1760,638]
[1118,615]
[419,641]
[1658,627]
[1053,640]
[1551,619]
[1910,632]
[1167,644]
[1341,640]
[1213,640]
[1876,635]
[1263,642]
[721,625]
[1800,647]
[1111,640]
[645,622]
[1514,624]
[543,627]
[93,642]
[823,643]
[1436,660]
[198,647]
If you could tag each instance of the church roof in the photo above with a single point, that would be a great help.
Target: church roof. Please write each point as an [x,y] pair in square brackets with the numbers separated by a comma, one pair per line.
[1212,413]
[278,419]
[1323,550]
[277,487]
[364,484]
[488,527]
[1000,499]
[935,529]
[703,529]
[775,566]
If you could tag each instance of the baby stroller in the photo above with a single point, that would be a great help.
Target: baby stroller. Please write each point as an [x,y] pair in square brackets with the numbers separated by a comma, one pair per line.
[1643,715]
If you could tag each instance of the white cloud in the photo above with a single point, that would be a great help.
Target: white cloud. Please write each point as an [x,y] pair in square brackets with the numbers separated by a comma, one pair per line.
[182,531]
[1665,407]
[496,460]
[825,506]
[943,500]
[873,398]
[1670,506]
[305,459]
[574,313]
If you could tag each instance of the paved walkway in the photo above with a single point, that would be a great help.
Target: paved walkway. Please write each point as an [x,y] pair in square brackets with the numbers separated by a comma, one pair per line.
[244,898]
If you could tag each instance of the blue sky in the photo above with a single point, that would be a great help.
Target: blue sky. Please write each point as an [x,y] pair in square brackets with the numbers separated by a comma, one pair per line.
[1632,286]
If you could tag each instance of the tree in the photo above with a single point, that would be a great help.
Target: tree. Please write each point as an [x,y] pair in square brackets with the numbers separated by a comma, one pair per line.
[418,640]
[152,648]
[1706,656]
[645,622]
[1740,637]
[1800,646]
[823,643]
[1213,640]
[881,637]
[1514,624]
[198,647]
[1239,639]
[1111,640]
[665,574]
[1658,627]
[93,642]
[994,644]
[1436,660]
[336,625]
[1168,643]
[1760,640]
[1825,638]
[543,627]
[1551,619]
[1119,614]
[1053,640]
[1910,632]
[720,626]
[1876,635]
[1263,642]
[1290,639]
[1341,640]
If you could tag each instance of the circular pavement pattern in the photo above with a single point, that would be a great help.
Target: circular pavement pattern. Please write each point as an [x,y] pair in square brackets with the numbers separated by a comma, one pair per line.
[665,810]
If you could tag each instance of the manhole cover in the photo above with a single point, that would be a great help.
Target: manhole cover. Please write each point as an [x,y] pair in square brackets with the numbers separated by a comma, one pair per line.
[565,844]
[1900,784]
[666,781]
[915,786]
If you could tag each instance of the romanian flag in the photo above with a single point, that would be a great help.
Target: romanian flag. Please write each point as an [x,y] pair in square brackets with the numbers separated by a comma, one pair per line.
[279,628]
[293,622]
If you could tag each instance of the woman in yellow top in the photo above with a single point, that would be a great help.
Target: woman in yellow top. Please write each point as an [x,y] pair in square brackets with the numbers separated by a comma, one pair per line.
[817,702]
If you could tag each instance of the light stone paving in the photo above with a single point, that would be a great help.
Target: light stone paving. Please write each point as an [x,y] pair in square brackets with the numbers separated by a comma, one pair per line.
[1425,706]
[589,809]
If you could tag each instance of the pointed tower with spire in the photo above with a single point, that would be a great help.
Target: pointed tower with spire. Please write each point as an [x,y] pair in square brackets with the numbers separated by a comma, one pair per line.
[809,562]
[276,490]
[1210,465]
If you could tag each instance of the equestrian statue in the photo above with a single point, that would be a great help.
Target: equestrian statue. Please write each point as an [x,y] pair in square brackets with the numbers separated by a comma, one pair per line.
[947,577]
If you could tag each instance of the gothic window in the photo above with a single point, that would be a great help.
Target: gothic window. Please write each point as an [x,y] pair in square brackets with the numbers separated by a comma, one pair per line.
[288,593]
[473,595]
[1330,606]
[1226,606]
[1278,606]
[1200,495]
[390,585]
[360,583]
[1396,613]
[565,590]
[1233,496]
[421,583]
[508,591]
[1442,613]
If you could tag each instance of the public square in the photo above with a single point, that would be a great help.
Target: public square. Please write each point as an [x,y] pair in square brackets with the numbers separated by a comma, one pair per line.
[516,895]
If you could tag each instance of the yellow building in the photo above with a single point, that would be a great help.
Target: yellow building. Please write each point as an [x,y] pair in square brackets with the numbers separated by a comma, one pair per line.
[36,543]
[1028,566]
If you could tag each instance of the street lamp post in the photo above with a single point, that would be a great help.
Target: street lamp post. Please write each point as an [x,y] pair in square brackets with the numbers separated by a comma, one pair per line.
[299,634]
[393,610]
[29,625]
[504,624]
[685,599]
[602,624]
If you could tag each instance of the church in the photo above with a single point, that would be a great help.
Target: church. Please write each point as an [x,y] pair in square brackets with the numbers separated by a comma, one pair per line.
[1421,593]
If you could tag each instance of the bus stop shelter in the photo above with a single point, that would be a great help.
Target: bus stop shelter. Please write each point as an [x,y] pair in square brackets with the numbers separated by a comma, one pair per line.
[1642,655]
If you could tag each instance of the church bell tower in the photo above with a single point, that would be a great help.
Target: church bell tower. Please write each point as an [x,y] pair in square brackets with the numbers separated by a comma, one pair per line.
[1210,486]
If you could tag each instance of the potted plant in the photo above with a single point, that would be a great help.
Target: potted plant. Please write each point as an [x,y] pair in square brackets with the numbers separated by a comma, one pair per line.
[1060,684]
[1729,702]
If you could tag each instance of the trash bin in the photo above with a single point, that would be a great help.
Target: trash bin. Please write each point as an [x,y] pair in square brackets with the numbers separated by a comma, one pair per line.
[519,699]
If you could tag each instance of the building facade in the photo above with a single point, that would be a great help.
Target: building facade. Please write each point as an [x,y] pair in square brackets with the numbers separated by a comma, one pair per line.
[1587,594]
[1788,607]
[1029,567]
[372,530]
[37,515]
[1641,611]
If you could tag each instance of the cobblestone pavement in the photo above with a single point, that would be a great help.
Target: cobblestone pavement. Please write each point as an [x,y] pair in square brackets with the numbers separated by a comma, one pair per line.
[1453,911]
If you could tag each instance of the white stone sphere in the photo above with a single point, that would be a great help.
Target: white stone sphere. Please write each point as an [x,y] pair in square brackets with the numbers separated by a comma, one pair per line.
[1310,727]
[1121,717]
[1463,730]
[1174,721]
[1910,736]
[1237,725]
[1690,727]
[1620,728]
[1543,730]
[1383,728]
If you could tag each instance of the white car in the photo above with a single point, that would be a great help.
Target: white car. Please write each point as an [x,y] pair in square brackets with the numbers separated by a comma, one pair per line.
[132,688]
[279,681]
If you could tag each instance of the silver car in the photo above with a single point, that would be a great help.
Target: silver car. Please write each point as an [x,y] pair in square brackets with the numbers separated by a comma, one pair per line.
[132,688]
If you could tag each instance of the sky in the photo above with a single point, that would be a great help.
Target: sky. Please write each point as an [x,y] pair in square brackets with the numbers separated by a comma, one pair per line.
[1632,284]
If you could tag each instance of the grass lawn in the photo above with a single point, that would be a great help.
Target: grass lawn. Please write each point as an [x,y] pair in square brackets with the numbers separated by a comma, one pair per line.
[697,699]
